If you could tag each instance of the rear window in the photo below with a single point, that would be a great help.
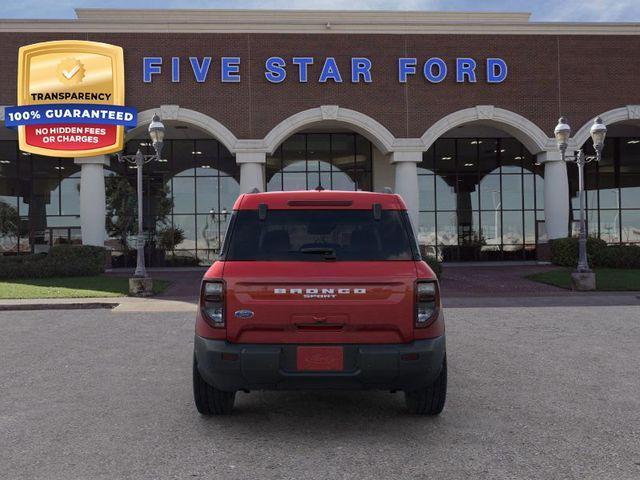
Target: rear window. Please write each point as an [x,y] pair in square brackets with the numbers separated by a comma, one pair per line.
[319,235]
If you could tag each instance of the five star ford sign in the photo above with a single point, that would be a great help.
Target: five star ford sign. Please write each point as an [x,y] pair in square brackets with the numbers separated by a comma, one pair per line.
[71,99]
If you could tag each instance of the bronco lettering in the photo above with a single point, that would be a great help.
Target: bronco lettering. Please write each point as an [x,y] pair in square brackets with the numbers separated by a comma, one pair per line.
[316,291]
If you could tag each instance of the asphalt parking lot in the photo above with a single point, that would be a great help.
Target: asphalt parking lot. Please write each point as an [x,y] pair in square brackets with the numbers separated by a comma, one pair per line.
[534,392]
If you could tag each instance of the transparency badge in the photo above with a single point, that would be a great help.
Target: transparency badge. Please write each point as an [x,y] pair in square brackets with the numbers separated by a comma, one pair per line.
[70,99]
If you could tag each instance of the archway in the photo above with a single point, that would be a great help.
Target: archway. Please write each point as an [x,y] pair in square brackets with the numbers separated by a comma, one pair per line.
[521,128]
[331,147]
[331,115]
[188,194]
[481,187]
[185,116]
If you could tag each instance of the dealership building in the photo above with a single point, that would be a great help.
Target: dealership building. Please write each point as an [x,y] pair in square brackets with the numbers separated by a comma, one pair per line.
[453,111]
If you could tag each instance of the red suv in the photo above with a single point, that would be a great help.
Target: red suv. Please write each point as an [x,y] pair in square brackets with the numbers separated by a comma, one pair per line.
[319,290]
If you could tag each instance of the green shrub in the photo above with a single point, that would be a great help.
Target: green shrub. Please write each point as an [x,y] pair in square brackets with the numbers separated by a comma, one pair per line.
[181,261]
[564,252]
[618,256]
[61,261]
[434,263]
[170,237]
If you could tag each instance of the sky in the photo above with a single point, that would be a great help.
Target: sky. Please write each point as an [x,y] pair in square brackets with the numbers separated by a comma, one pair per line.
[542,10]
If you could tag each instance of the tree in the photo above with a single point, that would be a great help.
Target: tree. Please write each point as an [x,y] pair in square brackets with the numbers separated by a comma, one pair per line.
[169,237]
[9,221]
[122,208]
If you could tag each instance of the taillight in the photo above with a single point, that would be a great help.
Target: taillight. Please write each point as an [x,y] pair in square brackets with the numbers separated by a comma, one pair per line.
[427,302]
[212,302]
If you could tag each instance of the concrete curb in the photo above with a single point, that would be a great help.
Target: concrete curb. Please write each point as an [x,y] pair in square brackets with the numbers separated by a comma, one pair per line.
[57,306]
[571,299]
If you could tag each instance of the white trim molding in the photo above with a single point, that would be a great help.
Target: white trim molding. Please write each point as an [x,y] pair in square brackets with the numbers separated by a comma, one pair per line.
[333,114]
[185,115]
[531,136]
[622,114]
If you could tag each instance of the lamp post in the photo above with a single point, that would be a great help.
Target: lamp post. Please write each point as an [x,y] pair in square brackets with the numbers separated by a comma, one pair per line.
[156,133]
[583,278]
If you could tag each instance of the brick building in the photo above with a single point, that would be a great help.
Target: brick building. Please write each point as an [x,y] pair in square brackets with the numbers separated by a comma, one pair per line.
[454,111]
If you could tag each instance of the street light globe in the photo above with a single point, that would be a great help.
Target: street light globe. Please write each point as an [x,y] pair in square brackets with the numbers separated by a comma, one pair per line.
[562,133]
[156,130]
[598,132]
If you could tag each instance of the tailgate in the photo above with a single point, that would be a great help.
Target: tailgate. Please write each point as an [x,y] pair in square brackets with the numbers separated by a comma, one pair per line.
[320,302]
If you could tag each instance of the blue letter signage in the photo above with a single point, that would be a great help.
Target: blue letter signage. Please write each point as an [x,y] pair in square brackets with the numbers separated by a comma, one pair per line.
[429,70]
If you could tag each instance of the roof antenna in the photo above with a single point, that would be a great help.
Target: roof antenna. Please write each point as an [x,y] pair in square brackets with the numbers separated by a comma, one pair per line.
[387,190]
[254,190]
[319,188]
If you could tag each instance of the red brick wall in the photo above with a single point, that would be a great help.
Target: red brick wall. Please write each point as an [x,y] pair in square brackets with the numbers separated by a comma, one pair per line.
[578,76]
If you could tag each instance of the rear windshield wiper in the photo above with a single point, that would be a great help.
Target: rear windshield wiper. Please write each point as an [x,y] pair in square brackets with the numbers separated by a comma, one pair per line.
[329,253]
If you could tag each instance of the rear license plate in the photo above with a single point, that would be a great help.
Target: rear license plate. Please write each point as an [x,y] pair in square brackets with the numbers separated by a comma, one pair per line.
[320,359]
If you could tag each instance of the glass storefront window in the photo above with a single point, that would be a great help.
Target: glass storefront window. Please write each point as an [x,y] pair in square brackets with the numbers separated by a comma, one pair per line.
[512,192]
[229,191]
[630,190]
[530,228]
[487,196]
[487,159]
[294,154]
[445,156]
[206,194]
[427,229]
[490,193]
[612,191]
[511,155]
[529,191]
[512,228]
[609,226]
[426,187]
[183,194]
[294,180]
[200,181]
[445,195]
[337,161]
[70,195]
[475,193]
[630,224]
[447,233]
[319,152]
[182,158]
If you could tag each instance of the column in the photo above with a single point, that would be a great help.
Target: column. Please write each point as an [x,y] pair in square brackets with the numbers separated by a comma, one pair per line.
[406,176]
[93,208]
[556,194]
[251,170]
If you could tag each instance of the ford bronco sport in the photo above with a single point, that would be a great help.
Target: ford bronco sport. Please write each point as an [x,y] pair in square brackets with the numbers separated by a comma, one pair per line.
[319,290]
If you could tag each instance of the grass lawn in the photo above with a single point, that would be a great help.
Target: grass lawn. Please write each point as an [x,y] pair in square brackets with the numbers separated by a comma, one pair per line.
[607,279]
[71,287]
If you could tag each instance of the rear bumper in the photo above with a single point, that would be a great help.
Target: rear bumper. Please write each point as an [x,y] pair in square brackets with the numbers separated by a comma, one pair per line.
[273,367]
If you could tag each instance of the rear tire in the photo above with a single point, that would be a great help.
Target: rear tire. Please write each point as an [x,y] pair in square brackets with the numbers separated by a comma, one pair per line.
[210,400]
[429,400]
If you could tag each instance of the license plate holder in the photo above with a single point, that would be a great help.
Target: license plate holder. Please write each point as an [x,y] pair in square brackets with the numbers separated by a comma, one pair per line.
[320,359]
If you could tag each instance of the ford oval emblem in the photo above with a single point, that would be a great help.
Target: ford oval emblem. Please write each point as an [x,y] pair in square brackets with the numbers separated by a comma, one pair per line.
[244,314]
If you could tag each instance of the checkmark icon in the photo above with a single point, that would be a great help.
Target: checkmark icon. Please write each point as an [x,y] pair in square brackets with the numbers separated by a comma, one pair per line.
[71,73]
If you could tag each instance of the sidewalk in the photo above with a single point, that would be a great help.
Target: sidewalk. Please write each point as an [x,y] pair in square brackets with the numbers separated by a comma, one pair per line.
[463,286]
[158,303]
[181,304]
[496,280]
